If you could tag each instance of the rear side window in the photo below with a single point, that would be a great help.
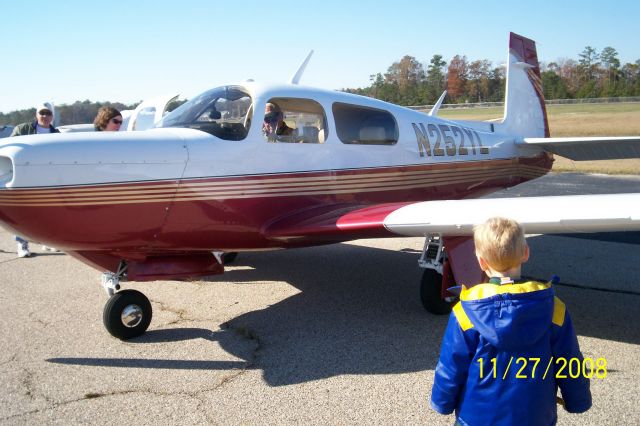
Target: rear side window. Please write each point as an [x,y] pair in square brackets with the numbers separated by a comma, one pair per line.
[356,124]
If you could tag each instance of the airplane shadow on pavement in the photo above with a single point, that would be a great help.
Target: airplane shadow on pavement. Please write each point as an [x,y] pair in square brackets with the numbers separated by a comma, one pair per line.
[358,312]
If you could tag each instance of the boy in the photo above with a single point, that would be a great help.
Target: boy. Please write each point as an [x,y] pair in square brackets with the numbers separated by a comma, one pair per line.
[506,342]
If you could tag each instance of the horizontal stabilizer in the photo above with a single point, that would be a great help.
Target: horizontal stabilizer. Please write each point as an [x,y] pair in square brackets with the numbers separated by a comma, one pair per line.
[538,215]
[590,148]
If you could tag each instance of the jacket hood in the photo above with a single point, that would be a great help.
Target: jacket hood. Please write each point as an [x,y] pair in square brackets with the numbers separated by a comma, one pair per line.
[510,316]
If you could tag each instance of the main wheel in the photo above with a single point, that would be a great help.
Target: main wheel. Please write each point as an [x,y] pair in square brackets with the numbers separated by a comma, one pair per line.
[127,314]
[431,293]
[229,257]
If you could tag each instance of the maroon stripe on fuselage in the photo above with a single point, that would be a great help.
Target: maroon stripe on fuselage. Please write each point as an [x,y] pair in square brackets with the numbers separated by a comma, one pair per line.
[232,213]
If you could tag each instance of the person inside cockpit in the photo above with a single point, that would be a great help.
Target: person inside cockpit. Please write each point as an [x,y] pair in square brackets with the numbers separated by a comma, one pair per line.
[274,122]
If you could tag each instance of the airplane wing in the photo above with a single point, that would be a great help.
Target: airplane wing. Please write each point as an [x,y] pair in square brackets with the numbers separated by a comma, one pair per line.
[589,148]
[538,215]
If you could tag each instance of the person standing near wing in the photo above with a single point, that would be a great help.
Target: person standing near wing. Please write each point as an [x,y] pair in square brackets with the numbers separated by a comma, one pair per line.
[42,124]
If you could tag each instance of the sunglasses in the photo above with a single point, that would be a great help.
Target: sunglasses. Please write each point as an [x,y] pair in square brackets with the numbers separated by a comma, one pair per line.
[116,121]
[45,113]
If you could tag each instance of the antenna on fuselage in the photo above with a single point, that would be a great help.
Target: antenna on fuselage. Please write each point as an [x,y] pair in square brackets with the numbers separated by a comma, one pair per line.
[296,77]
[436,107]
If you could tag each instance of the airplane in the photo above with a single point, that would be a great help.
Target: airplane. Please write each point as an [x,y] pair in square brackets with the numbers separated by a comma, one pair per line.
[5,131]
[219,175]
[143,117]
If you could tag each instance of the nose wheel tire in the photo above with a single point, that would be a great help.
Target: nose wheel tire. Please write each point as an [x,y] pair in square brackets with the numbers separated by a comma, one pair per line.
[431,293]
[127,314]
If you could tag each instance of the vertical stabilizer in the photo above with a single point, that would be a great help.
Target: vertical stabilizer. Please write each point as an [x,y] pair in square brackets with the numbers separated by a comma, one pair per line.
[525,114]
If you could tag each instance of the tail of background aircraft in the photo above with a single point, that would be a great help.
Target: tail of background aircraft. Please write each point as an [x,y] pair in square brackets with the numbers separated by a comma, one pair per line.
[525,114]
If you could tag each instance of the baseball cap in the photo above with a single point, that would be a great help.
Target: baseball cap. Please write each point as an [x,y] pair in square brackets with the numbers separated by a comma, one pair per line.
[44,105]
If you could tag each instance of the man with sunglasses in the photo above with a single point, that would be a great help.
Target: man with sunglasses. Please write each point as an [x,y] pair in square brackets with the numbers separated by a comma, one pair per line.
[274,124]
[42,124]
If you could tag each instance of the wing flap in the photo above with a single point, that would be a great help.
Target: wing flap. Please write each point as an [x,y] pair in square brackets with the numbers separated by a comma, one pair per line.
[553,214]
[589,148]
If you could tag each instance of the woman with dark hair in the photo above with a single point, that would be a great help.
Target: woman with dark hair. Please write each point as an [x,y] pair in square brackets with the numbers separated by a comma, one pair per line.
[108,120]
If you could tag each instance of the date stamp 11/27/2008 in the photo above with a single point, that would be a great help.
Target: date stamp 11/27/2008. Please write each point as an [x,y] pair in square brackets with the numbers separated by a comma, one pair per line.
[557,368]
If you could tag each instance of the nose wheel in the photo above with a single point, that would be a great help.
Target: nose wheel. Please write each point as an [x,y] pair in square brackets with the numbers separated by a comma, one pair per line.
[127,314]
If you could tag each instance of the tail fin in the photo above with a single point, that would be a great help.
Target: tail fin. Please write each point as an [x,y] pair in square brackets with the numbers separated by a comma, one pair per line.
[525,113]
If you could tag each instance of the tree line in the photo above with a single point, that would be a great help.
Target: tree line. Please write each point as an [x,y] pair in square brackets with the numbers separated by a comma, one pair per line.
[594,74]
[76,113]
[409,82]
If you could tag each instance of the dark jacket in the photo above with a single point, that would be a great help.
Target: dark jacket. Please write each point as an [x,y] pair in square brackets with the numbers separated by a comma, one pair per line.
[488,371]
[29,129]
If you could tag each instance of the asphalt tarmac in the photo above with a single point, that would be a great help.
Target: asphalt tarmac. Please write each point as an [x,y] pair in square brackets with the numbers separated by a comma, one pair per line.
[322,335]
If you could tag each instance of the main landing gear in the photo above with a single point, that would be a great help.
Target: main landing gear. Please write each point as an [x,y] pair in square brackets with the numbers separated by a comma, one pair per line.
[229,257]
[436,278]
[127,313]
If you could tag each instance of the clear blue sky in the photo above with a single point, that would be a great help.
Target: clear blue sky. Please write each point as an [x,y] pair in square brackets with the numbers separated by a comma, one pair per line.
[127,51]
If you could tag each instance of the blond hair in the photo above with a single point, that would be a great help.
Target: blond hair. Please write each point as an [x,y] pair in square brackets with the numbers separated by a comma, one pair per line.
[500,242]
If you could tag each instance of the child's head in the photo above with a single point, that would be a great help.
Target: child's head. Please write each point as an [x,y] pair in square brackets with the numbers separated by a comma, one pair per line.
[500,244]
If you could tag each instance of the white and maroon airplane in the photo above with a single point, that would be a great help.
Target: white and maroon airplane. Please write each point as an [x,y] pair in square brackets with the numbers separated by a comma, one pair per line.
[218,175]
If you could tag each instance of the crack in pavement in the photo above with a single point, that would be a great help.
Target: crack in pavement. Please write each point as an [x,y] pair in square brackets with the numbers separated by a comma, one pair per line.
[12,358]
[27,383]
[180,313]
[32,318]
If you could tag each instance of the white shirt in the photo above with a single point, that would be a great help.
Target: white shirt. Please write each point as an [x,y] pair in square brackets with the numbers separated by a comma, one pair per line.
[40,129]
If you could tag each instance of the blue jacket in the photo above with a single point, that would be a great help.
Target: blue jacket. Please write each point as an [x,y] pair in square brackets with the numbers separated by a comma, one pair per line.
[488,371]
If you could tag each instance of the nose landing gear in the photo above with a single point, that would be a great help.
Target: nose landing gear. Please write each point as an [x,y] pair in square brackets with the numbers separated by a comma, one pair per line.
[127,313]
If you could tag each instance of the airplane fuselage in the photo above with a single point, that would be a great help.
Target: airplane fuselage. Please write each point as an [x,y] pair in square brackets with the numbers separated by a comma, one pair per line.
[175,190]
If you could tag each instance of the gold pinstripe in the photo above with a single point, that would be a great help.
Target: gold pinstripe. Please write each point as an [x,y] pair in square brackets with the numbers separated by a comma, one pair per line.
[248,185]
[265,187]
[244,181]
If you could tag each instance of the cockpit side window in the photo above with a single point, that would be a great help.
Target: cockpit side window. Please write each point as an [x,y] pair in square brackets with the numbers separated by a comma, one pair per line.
[224,112]
[294,120]
[357,124]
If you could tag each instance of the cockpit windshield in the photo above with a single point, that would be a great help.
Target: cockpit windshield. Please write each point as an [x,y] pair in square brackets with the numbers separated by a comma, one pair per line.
[224,112]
